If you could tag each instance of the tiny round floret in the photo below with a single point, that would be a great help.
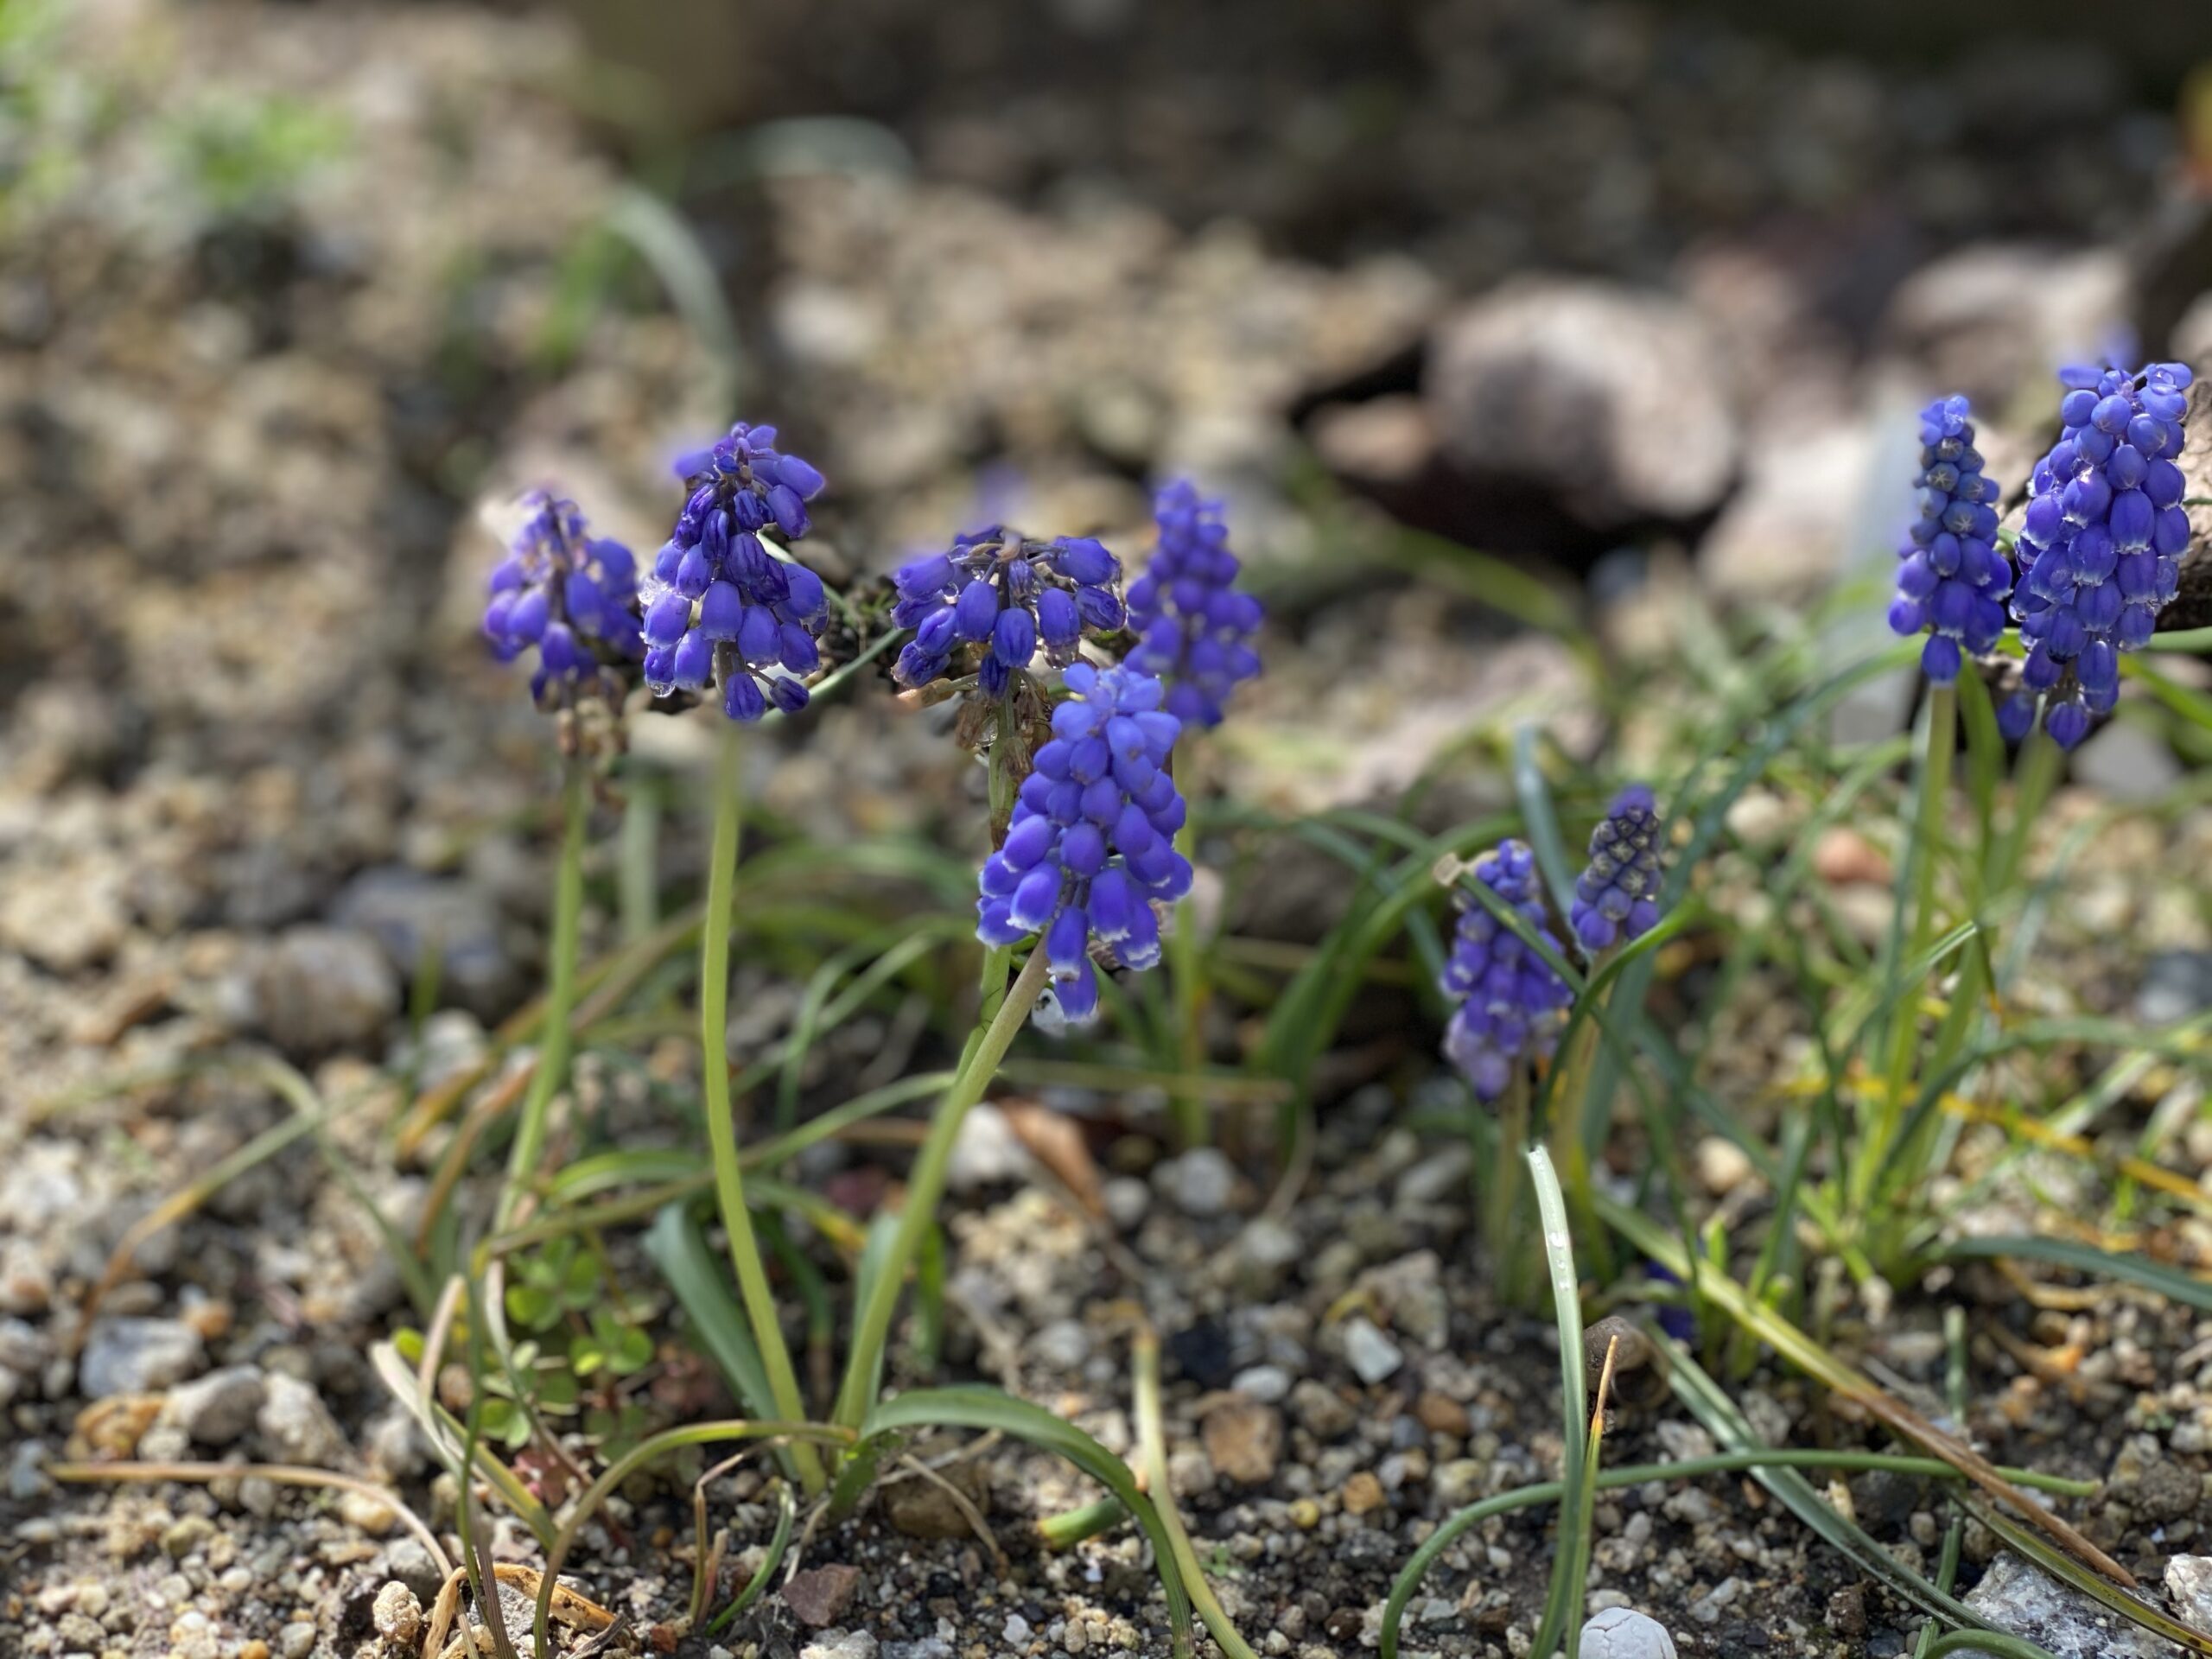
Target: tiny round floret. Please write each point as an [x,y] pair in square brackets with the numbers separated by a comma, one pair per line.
[2101,541]
[1952,577]
[571,595]
[722,607]
[1090,848]
[1616,895]
[1510,999]
[995,597]
[1195,627]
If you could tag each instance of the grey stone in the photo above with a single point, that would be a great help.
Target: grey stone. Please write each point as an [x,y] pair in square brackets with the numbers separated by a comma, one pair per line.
[1200,1183]
[1601,396]
[2127,762]
[1990,320]
[1372,1356]
[407,1561]
[27,1471]
[1127,1201]
[412,915]
[2017,1596]
[324,988]
[1437,1176]
[295,1426]
[2175,984]
[1624,1633]
[986,1152]
[2189,1581]
[1063,1346]
[218,1407]
[1269,1384]
[136,1356]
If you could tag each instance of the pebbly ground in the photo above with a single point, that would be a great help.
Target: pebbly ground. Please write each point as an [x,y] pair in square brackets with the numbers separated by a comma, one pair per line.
[254,766]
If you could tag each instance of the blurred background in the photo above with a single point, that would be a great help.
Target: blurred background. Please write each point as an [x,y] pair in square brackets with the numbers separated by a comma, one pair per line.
[1478,312]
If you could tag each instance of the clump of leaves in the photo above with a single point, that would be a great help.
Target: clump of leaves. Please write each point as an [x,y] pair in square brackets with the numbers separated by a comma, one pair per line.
[246,157]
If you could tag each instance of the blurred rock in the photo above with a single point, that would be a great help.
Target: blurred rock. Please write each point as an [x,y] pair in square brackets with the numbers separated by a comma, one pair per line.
[1995,319]
[217,1408]
[412,915]
[319,988]
[1599,396]
[1787,532]
[2127,761]
[136,1356]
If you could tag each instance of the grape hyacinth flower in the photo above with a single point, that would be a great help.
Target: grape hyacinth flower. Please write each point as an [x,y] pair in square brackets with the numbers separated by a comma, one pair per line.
[2101,540]
[1952,580]
[1004,594]
[1091,846]
[571,595]
[1616,897]
[1510,998]
[1196,628]
[720,608]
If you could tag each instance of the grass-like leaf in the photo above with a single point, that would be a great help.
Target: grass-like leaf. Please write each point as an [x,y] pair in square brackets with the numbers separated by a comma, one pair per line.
[988,1408]
[678,1250]
[1710,1406]
[2170,1282]
[1540,819]
[1562,1623]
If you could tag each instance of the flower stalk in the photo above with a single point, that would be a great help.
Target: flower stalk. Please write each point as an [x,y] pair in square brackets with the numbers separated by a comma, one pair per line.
[721,1128]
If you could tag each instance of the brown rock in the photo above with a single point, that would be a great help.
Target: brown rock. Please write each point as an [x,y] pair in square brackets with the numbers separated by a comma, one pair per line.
[1363,1493]
[922,1508]
[1243,1439]
[1843,856]
[1439,1414]
[819,1595]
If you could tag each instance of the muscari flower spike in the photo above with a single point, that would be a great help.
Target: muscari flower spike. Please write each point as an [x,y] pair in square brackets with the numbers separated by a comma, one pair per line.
[997,590]
[1510,998]
[2101,540]
[1196,628]
[1952,580]
[571,595]
[720,607]
[1090,848]
[1616,897]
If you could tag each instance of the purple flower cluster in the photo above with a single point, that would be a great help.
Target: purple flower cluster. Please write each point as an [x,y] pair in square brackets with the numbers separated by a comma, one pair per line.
[1091,846]
[2101,539]
[572,594]
[1953,580]
[1509,997]
[1196,628]
[1616,897]
[998,591]
[720,607]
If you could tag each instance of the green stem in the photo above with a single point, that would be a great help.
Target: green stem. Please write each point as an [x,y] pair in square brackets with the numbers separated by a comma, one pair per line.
[1151,1443]
[926,1186]
[1570,1113]
[1506,1215]
[1721,1463]
[721,1126]
[1941,743]
[1066,1530]
[529,1148]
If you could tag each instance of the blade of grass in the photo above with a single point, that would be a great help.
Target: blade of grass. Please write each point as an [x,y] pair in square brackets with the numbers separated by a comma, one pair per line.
[2170,1282]
[1808,1356]
[988,1408]
[1540,821]
[1562,1621]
